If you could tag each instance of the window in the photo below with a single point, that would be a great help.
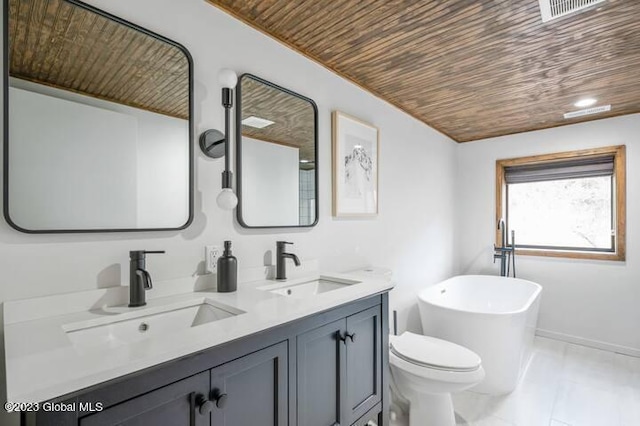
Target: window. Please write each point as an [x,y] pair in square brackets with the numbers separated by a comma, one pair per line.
[569,204]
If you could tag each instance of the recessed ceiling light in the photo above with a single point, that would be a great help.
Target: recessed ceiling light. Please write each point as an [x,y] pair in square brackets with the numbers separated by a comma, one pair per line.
[588,111]
[305,161]
[257,122]
[586,102]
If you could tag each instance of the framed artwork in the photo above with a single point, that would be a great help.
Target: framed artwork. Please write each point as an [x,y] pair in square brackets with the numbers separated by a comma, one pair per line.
[355,167]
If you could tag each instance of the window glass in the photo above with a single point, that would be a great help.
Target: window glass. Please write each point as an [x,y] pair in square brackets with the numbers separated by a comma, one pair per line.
[562,214]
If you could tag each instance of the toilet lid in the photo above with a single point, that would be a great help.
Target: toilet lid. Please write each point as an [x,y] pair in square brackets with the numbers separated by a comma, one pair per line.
[434,353]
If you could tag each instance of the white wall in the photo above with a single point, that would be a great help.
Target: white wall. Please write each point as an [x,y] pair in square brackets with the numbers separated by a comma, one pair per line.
[148,150]
[413,233]
[595,302]
[270,183]
[61,152]
[162,172]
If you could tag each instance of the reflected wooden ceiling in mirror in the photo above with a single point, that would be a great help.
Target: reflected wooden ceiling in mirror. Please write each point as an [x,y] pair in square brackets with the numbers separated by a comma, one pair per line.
[471,69]
[126,66]
[293,118]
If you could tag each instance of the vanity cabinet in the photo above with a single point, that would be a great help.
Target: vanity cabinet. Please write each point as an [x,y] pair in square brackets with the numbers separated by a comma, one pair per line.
[327,369]
[339,370]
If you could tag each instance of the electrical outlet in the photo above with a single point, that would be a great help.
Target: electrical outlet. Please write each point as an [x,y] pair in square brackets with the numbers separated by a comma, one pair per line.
[211,255]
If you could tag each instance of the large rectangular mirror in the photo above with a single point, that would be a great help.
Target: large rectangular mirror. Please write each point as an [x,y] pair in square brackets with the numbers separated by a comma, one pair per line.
[98,119]
[277,156]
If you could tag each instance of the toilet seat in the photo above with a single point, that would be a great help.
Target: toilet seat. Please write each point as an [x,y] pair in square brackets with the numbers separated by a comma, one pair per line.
[433,353]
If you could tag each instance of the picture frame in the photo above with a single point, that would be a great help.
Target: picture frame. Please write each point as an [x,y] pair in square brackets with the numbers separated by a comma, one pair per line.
[355,157]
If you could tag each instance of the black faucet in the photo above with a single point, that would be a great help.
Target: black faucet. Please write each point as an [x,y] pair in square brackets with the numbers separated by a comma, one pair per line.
[281,257]
[139,278]
[505,253]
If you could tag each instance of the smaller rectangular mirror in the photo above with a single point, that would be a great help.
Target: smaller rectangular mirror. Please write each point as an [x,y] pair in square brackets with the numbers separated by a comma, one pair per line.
[277,156]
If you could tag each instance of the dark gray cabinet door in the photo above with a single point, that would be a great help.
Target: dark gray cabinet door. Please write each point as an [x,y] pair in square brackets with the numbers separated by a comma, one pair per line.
[320,359]
[252,390]
[364,363]
[176,405]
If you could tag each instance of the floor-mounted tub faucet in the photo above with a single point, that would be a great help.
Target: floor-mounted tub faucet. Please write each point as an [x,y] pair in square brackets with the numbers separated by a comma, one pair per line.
[281,259]
[505,253]
[139,278]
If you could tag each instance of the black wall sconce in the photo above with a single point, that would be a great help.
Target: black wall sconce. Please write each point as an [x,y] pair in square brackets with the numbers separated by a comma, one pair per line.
[216,144]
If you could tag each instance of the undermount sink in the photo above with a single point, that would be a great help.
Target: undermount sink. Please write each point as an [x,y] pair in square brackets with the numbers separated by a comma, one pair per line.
[309,288]
[146,324]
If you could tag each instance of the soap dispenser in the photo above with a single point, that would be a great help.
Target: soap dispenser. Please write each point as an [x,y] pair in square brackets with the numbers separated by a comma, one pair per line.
[227,270]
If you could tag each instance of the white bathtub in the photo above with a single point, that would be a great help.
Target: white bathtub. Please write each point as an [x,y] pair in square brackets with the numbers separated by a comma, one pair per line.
[493,316]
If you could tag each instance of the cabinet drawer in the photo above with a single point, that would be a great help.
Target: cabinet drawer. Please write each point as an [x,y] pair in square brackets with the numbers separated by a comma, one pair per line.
[174,405]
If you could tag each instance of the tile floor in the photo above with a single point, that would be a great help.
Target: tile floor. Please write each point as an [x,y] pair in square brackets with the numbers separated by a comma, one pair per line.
[565,385]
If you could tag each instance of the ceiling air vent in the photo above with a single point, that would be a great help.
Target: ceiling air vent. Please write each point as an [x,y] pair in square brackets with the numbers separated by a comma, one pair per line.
[587,111]
[554,9]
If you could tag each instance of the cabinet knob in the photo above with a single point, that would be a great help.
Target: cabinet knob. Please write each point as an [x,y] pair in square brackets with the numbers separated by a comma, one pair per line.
[204,405]
[221,400]
[350,336]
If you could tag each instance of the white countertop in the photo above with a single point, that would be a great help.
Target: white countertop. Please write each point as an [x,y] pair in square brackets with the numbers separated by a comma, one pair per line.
[42,363]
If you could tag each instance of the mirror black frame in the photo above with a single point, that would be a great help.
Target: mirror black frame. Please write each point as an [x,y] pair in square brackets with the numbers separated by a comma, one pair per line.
[238,129]
[5,105]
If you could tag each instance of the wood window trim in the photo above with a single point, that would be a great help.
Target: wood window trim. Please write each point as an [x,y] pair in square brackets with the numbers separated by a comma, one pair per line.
[620,174]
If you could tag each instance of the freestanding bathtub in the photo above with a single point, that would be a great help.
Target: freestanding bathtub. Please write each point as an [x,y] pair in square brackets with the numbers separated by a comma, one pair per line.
[493,316]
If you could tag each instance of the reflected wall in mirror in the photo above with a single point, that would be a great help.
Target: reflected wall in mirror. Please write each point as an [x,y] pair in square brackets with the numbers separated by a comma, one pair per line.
[97,122]
[277,156]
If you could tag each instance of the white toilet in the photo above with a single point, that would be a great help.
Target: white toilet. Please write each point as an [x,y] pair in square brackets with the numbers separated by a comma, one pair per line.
[425,371]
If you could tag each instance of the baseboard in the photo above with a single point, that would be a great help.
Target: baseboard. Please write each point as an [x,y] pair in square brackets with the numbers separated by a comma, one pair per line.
[625,350]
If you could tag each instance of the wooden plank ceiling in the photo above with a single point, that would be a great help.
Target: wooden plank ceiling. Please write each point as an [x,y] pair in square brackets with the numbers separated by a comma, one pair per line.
[56,43]
[471,69]
[293,117]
